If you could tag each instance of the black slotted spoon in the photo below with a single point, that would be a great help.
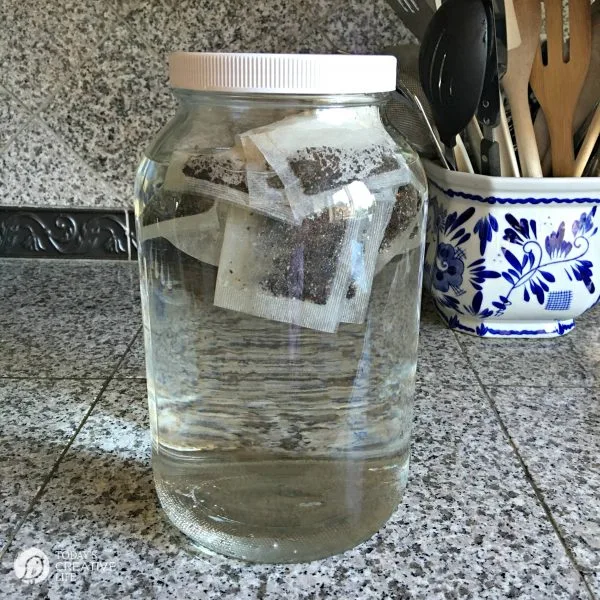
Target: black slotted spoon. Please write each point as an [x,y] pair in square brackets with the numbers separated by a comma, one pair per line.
[452,66]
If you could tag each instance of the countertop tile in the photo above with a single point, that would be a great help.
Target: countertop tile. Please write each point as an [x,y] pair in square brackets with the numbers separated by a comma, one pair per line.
[66,318]
[39,171]
[127,7]
[38,418]
[469,525]
[142,18]
[41,42]
[134,364]
[361,27]
[593,580]
[12,117]
[558,436]
[586,344]
[202,25]
[591,319]
[112,109]
[440,356]
[536,362]
[277,26]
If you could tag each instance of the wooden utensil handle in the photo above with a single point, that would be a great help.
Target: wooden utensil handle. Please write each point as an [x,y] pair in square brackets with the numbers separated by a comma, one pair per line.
[563,153]
[528,150]
[588,144]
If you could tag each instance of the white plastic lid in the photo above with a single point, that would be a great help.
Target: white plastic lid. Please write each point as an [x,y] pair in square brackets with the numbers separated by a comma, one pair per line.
[282,73]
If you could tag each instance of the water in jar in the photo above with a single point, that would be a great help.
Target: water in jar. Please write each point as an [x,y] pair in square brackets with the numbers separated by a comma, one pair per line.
[273,442]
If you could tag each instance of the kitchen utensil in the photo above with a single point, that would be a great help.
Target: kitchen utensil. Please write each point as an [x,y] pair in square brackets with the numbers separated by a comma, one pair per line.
[488,111]
[415,14]
[402,112]
[452,66]
[474,137]
[418,107]
[581,132]
[513,33]
[508,158]
[499,7]
[528,15]
[593,167]
[589,143]
[558,84]
[461,156]
[587,100]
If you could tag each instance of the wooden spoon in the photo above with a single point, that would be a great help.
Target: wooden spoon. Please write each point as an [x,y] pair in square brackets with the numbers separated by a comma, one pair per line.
[508,158]
[587,100]
[528,15]
[588,144]
[558,84]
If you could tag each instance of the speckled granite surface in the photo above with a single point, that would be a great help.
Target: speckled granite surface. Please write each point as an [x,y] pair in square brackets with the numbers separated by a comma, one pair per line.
[503,497]
[83,85]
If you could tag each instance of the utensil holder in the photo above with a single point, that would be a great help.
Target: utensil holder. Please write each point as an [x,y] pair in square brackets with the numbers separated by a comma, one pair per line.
[512,257]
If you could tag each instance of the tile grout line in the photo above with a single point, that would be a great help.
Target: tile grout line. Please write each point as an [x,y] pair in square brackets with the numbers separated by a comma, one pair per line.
[54,469]
[528,476]
[35,112]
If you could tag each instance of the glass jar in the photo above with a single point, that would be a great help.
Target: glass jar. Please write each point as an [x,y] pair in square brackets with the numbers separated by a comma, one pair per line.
[280,237]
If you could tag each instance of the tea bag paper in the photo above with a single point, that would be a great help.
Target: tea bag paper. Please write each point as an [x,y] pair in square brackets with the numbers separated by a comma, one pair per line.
[365,253]
[199,235]
[318,153]
[265,189]
[218,176]
[296,274]
[404,230]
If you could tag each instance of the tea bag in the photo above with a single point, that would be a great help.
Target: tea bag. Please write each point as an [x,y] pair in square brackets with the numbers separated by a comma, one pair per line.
[196,226]
[265,188]
[296,274]
[300,151]
[404,230]
[365,253]
[215,175]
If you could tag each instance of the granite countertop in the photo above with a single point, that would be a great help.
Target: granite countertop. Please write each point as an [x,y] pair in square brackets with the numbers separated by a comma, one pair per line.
[503,498]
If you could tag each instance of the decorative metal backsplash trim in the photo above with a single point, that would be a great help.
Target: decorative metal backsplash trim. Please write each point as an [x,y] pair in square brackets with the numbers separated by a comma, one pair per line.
[69,233]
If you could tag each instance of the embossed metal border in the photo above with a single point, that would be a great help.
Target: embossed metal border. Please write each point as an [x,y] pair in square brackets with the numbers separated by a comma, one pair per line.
[67,233]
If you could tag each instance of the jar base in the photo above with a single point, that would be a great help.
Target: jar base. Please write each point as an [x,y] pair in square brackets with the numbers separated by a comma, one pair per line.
[280,511]
[249,552]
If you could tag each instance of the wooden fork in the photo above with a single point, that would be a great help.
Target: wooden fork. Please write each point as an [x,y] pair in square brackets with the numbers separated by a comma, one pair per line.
[558,84]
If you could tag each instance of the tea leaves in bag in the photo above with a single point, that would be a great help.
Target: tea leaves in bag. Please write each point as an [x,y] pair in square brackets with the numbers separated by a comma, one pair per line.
[296,274]
[404,230]
[215,175]
[318,153]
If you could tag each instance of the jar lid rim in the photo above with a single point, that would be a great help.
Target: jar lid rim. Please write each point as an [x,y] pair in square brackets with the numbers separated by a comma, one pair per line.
[282,73]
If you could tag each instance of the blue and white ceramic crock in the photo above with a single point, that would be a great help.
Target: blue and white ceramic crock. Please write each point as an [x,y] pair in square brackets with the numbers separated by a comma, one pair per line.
[512,257]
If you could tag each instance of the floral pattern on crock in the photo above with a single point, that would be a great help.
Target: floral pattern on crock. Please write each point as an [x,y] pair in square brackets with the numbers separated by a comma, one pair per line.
[531,266]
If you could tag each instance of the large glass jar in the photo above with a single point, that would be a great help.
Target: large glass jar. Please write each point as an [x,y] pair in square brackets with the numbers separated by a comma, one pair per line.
[280,230]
